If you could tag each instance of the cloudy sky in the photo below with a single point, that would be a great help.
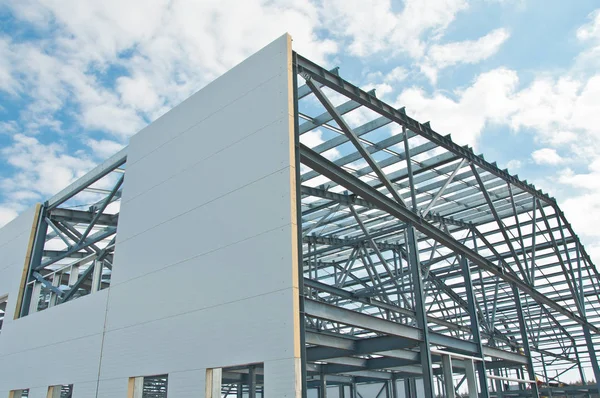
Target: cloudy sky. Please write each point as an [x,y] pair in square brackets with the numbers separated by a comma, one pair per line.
[517,79]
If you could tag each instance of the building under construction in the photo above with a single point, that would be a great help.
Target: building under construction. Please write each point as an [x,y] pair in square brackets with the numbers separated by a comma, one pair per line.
[283,233]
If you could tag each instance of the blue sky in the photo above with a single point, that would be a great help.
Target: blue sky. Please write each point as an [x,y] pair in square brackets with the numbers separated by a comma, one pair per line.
[516,79]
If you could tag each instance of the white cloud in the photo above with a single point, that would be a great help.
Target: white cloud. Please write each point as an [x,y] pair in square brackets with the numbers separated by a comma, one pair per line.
[40,170]
[441,56]
[513,165]
[468,51]
[547,156]
[590,30]
[372,27]
[169,49]
[315,137]
[487,100]
[112,66]
[104,148]
[396,75]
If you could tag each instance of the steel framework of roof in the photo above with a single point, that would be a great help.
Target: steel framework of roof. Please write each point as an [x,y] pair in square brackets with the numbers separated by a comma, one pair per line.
[416,253]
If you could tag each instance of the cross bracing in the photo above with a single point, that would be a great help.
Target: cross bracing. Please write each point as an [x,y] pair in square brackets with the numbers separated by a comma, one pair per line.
[72,252]
[415,251]
[414,232]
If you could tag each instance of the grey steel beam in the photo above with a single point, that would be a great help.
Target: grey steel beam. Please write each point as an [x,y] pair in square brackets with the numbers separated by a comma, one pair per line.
[475,327]
[106,202]
[92,239]
[354,139]
[36,257]
[350,182]
[525,339]
[439,193]
[88,179]
[334,82]
[499,222]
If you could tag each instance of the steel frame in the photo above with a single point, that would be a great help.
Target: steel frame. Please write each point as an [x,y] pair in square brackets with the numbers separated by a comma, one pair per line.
[418,252]
[73,249]
[420,259]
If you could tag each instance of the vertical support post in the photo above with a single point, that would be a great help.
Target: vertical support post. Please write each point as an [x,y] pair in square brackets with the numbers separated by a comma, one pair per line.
[341,391]
[73,275]
[407,389]
[56,283]
[546,376]
[475,330]
[135,388]
[35,258]
[413,197]
[448,379]
[353,392]
[420,312]
[323,386]
[593,355]
[97,275]
[251,382]
[54,392]
[214,379]
[471,380]
[240,390]
[394,387]
[301,314]
[525,338]
[499,388]
[34,297]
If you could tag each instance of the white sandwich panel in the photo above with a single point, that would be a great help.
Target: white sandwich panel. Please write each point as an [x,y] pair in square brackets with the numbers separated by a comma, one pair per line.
[280,376]
[256,329]
[61,345]
[205,269]
[73,361]
[70,321]
[188,384]
[85,390]
[205,273]
[206,180]
[113,388]
[255,113]
[216,277]
[236,83]
[14,243]
[216,225]
[38,392]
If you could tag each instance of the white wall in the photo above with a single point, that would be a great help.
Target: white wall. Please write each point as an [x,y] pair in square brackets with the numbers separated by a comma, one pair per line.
[205,268]
[58,346]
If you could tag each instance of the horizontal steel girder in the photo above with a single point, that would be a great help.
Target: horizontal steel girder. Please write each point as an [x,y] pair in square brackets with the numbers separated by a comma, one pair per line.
[354,184]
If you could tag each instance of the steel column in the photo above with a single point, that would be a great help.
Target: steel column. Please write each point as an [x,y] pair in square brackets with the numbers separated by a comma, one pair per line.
[475,328]
[421,315]
[525,338]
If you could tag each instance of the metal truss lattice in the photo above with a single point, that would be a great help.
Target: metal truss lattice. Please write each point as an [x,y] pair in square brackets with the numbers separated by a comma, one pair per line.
[416,249]
[75,237]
